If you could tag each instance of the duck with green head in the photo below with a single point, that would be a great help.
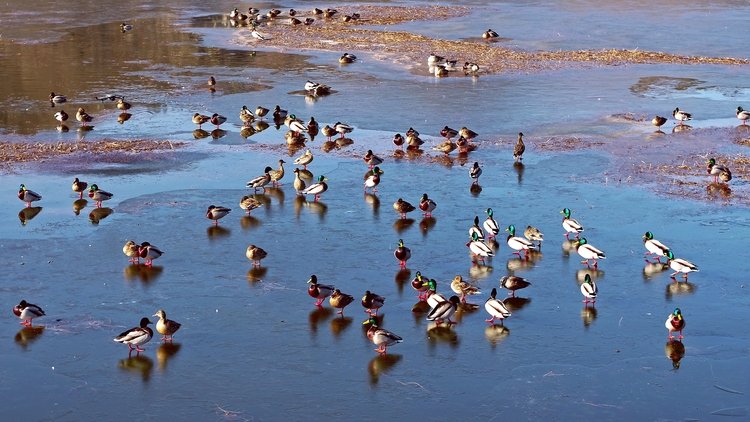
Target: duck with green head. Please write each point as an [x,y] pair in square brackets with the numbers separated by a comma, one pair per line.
[680,265]
[402,253]
[317,188]
[444,311]
[480,249]
[518,243]
[570,225]
[319,291]
[490,225]
[421,285]
[653,246]
[675,322]
[372,302]
[716,170]
[588,252]
[28,196]
[433,297]
[589,290]
[381,337]
[495,308]
[743,115]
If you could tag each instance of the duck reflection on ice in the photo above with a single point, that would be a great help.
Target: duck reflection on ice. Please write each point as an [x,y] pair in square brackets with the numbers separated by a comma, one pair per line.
[465,309]
[588,314]
[515,303]
[200,134]
[338,325]
[28,335]
[123,117]
[419,310]
[318,315]
[139,364]
[28,213]
[261,126]
[402,277]
[78,205]
[247,132]
[718,190]
[479,271]
[317,207]
[496,334]
[145,273]
[568,247]
[442,333]
[374,202]
[256,274]
[380,364]
[679,288]
[216,231]
[402,224]
[427,224]
[475,189]
[591,272]
[519,264]
[653,268]
[681,128]
[277,193]
[98,214]
[248,222]
[675,351]
[518,167]
[165,352]
[218,133]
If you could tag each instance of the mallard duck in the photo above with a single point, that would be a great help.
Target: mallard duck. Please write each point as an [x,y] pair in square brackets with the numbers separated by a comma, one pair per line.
[217,120]
[479,248]
[249,203]
[450,65]
[273,13]
[489,34]
[380,337]
[675,322]
[211,81]
[589,289]
[122,105]
[427,205]
[83,117]
[340,300]
[371,159]
[149,252]
[402,253]
[317,11]
[659,121]
[255,254]
[216,213]
[299,184]
[246,116]
[474,172]
[305,158]
[234,13]
[277,175]
[345,59]
[420,284]
[518,243]
[27,312]
[99,195]
[441,71]
[200,119]
[496,308]
[166,327]
[471,67]
[680,265]
[278,113]
[433,297]
[476,229]
[463,288]
[434,59]
[514,283]
[295,21]
[448,133]
[329,13]
[681,115]
[533,234]
[743,115]
[350,56]
[715,169]
[131,250]
[653,246]
[519,149]
[319,291]
[61,116]
[372,179]
[372,302]
[490,225]
[446,147]
[398,140]
[570,225]
[725,176]
[444,311]
[28,196]
[328,132]
[402,207]
[257,35]
[317,188]
[56,99]
[261,181]
[413,142]
[79,186]
[467,133]
[588,252]
[321,90]
[125,27]
[343,128]
[261,112]
[312,127]
[137,336]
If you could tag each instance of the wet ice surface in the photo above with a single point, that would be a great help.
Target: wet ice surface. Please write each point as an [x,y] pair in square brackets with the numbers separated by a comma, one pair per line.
[252,341]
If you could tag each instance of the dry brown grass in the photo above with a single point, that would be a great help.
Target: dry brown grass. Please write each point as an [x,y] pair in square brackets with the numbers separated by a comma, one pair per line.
[20,152]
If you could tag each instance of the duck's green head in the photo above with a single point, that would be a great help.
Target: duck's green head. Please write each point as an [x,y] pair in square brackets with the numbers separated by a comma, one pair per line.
[711,162]
[321,178]
[669,255]
[433,284]
[313,279]
[740,110]
[511,229]
[489,212]
[419,276]
[475,236]
[22,187]
[587,279]
[424,197]
[566,212]
[677,313]
[93,187]
[581,241]
[648,235]
[400,243]
[493,293]
[377,170]
[292,116]
[371,321]
[268,169]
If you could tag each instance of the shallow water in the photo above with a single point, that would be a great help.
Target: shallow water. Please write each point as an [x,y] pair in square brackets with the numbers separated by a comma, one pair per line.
[253,345]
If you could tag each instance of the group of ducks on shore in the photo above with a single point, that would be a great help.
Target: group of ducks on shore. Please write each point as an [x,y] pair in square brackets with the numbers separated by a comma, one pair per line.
[682,116]
[81,115]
